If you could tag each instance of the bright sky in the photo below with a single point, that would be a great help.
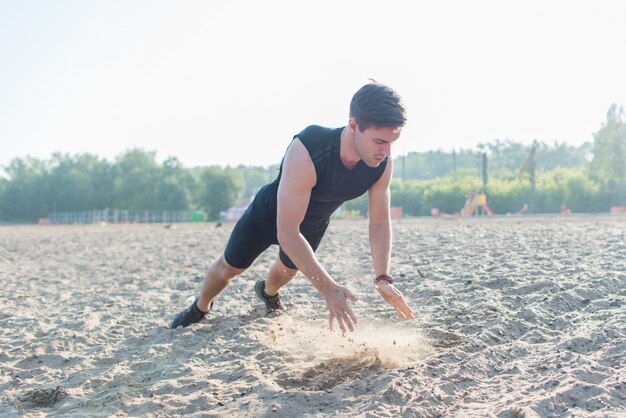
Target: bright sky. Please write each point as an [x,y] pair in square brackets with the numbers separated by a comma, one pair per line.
[230,82]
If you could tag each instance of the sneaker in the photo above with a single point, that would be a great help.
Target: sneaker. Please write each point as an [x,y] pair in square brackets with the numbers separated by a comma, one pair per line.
[191,315]
[272,303]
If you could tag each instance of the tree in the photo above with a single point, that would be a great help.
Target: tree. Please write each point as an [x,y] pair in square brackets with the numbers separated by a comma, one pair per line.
[609,153]
[219,191]
[563,155]
[25,194]
[70,183]
[103,176]
[256,177]
[136,180]
[3,185]
[174,186]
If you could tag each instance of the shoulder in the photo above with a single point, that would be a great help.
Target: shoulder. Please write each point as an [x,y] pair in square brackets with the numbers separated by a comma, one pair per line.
[297,151]
[298,165]
[320,142]
[314,132]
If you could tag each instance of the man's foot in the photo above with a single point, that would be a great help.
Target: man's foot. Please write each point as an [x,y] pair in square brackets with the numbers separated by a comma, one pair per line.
[191,315]
[272,303]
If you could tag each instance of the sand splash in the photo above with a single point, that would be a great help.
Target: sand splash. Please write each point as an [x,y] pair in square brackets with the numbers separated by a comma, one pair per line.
[395,345]
[316,358]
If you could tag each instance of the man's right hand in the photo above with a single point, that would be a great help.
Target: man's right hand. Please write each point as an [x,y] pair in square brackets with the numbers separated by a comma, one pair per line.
[338,308]
[395,299]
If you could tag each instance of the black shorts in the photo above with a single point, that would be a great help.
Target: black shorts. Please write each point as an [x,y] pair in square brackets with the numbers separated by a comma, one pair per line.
[249,239]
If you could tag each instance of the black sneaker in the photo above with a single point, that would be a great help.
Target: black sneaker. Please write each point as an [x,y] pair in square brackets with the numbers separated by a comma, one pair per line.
[272,303]
[191,315]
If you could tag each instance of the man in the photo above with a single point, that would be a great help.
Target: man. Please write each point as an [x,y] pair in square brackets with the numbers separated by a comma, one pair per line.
[321,169]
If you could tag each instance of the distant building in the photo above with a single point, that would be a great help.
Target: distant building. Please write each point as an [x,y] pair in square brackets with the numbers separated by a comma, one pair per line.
[233,213]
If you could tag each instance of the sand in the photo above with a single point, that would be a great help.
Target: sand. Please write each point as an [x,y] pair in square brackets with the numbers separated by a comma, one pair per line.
[515,317]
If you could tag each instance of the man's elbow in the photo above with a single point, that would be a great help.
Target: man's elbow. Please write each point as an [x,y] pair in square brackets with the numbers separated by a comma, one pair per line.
[286,236]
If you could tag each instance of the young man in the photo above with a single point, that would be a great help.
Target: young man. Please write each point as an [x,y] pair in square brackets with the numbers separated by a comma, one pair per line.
[321,169]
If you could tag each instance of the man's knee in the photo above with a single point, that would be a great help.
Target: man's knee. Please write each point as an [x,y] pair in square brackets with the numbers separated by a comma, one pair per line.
[285,262]
[221,270]
[284,271]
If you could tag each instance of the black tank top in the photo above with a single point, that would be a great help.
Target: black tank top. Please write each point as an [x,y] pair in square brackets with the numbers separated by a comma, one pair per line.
[335,183]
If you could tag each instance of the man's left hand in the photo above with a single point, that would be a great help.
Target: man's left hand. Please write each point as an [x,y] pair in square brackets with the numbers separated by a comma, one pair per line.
[395,299]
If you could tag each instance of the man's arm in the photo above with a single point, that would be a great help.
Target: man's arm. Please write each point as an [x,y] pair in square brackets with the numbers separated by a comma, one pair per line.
[294,192]
[379,221]
[380,240]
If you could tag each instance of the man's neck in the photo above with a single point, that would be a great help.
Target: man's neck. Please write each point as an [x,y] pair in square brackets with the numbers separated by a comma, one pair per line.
[347,150]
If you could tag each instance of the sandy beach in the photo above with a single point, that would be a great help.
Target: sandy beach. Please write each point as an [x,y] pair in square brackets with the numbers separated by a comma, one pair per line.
[515,317]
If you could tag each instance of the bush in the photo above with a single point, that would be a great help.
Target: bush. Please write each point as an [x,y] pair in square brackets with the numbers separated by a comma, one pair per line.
[570,187]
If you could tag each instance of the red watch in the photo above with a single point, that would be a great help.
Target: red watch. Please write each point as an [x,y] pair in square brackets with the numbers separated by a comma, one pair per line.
[383,278]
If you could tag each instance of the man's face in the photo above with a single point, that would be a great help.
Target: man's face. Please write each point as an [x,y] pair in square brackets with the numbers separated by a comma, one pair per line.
[374,144]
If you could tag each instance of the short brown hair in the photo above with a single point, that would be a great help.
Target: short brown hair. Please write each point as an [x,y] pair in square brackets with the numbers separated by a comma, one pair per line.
[377,105]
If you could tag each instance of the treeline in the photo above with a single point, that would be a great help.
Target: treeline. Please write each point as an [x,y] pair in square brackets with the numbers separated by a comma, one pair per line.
[134,181]
[504,157]
[587,178]
[570,188]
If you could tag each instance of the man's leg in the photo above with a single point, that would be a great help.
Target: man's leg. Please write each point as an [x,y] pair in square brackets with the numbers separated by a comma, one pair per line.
[217,278]
[267,290]
[219,275]
[282,271]
[246,242]
[278,276]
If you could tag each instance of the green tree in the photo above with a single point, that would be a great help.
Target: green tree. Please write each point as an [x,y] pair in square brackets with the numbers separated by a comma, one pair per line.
[3,186]
[174,190]
[256,177]
[103,176]
[25,194]
[504,156]
[136,180]
[563,155]
[609,154]
[219,191]
[70,182]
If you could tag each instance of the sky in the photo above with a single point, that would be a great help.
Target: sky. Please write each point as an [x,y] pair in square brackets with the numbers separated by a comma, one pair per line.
[230,82]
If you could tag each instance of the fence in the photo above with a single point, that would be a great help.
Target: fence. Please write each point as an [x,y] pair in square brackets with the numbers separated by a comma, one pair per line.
[116,216]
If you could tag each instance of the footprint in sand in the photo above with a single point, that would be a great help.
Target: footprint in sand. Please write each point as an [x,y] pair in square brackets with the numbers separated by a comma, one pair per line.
[330,373]
[43,397]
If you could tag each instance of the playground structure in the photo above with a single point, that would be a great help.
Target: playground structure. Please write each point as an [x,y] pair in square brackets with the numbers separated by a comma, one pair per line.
[476,203]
